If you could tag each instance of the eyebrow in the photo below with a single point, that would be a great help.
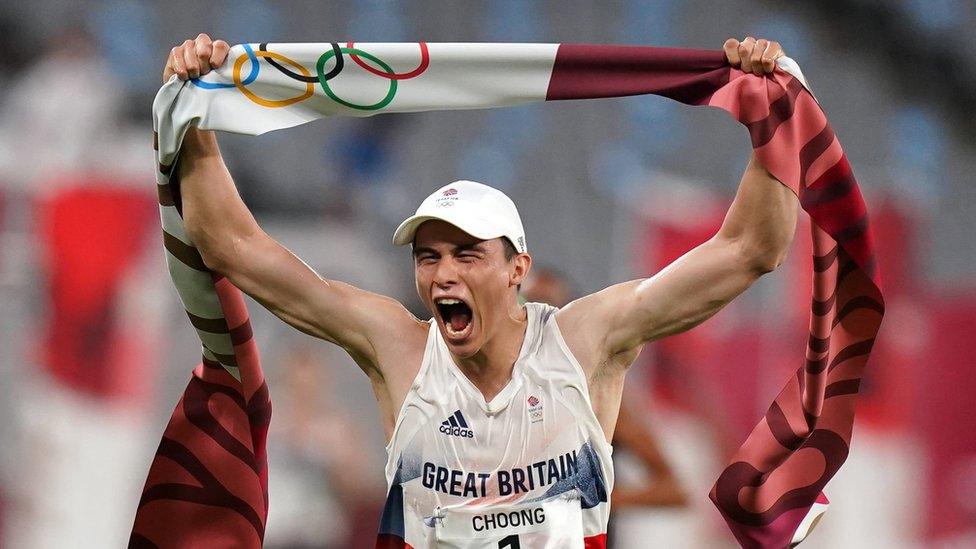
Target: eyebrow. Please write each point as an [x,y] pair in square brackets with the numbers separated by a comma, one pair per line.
[423,250]
[474,246]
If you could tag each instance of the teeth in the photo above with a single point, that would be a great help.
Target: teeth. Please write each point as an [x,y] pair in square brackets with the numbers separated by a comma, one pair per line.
[448,301]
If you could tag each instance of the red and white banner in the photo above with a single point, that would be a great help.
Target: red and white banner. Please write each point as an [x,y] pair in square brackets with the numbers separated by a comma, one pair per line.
[211,461]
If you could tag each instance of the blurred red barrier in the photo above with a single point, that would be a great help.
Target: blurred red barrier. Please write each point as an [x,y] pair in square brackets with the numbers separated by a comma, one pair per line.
[945,416]
[92,233]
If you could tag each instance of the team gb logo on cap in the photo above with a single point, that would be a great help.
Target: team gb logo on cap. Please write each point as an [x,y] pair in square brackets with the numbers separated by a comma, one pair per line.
[448,197]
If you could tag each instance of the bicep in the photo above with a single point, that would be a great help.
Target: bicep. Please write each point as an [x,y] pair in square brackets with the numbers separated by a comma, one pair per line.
[682,295]
[293,291]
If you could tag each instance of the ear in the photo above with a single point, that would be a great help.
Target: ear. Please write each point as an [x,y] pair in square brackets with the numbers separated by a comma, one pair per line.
[521,264]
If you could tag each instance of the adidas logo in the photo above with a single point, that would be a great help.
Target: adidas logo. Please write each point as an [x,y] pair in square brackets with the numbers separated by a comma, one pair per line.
[455,425]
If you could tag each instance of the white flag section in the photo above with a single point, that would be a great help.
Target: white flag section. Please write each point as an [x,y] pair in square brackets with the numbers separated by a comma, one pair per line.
[269,87]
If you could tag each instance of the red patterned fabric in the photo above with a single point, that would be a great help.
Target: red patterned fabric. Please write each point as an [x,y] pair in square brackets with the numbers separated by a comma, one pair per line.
[207,486]
[778,474]
[805,435]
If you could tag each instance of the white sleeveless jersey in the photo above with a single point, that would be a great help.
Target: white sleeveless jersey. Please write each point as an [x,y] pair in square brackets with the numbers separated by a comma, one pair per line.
[530,469]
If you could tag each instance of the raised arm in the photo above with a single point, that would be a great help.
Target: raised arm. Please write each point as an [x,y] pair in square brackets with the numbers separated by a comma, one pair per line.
[753,240]
[231,243]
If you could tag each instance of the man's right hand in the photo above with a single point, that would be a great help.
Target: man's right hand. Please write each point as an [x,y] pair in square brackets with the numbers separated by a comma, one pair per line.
[194,58]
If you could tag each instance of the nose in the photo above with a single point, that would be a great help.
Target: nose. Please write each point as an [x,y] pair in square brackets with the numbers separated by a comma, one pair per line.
[445,274]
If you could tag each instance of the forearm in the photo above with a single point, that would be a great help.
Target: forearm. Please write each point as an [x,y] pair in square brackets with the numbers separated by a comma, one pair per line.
[216,218]
[753,239]
[762,219]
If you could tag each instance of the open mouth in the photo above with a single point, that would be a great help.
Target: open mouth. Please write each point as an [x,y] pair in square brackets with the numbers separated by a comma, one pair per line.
[456,315]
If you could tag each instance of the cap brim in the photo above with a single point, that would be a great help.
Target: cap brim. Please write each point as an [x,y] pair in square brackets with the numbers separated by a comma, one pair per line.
[405,232]
[408,229]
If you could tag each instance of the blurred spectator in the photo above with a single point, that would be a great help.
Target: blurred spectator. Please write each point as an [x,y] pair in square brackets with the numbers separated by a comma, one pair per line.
[325,483]
[62,116]
[660,487]
[547,285]
[663,489]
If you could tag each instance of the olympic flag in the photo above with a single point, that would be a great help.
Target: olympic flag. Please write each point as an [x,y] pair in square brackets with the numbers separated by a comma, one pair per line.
[211,462]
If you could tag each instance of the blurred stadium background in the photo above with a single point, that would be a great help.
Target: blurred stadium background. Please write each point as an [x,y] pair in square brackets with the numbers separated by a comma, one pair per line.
[95,348]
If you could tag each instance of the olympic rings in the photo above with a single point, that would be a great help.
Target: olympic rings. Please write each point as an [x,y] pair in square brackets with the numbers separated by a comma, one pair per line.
[320,65]
[270,103]
[424,62]
[307,78]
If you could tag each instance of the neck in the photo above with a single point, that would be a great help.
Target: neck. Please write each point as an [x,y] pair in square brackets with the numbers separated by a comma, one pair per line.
[490,369]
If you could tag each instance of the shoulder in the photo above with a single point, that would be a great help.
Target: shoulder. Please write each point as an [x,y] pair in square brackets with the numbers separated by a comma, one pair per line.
[585,325]
[589,312]
[398,339]
[396,359]
[388,335]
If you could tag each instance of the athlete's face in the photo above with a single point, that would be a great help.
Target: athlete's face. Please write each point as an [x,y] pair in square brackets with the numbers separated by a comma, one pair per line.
[467,284]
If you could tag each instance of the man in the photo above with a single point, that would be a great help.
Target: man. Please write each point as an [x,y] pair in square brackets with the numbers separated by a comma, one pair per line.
[498,414]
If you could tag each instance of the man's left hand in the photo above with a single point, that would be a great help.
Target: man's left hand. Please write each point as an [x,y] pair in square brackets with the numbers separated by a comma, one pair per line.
[751,55]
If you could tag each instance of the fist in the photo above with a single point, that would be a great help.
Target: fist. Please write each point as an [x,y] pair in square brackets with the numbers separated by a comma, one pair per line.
[194,58]
[751,55]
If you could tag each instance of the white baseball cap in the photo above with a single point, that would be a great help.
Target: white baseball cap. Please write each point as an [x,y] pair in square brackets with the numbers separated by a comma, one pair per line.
[481,211]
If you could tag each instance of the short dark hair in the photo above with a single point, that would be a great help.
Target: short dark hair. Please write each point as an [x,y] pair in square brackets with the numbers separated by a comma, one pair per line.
[510,251]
